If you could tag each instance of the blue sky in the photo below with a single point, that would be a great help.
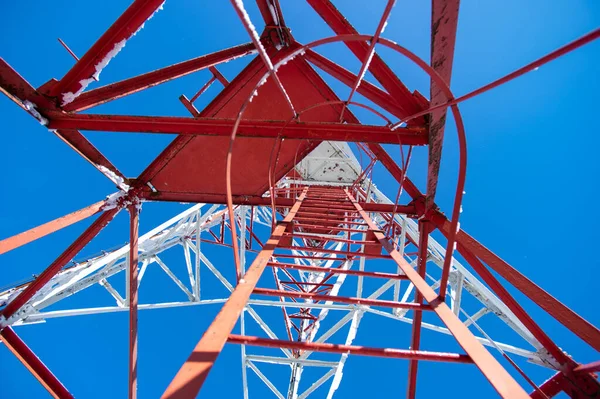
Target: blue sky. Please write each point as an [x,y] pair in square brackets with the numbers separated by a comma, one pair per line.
[531,180]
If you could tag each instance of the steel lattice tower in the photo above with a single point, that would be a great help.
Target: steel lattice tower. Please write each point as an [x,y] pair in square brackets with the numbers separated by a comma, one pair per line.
[305,224]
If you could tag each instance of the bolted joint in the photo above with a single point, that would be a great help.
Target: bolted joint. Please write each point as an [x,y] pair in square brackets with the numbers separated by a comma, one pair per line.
[124,199]
[422,211]
[276,36]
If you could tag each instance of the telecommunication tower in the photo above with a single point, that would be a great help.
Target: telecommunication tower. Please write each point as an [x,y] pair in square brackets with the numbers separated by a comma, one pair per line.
[280,170]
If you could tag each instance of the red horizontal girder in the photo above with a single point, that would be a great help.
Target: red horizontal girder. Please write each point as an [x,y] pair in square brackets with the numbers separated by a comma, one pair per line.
[261,201]
[350,349]
[223,127]
[341,299]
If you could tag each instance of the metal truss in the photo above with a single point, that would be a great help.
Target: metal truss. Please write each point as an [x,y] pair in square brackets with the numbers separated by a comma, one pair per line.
[181,232]
[317,221]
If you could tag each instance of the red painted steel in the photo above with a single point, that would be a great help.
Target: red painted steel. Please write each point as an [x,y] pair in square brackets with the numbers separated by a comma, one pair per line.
[127,24]
[250,176]
[203,143]
[578,325]
[68,49]
[514,305]
[389,276]
[16,241]
[378,68]
[444,20]
[254,129]
[219,76]
[415,339]
[585,39]
[59,263]
[203,89]
[350,349]
[500,379]
[29,359]
[552,387]
[129,86]
[367,59]
[15,87]
[571,320]
[587,368]
[262,201]
[134,213]
[341,299]
[191,376]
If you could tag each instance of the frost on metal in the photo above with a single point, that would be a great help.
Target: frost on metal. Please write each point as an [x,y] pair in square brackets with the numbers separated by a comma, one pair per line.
[32,109]
[149,18]
[112,201]
[365,67]
[69,97]
[109,56]
[274,14]
[255,37]
[290,57]
[118,180]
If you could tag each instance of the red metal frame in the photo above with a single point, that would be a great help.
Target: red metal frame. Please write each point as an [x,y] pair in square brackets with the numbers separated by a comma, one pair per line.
[59,263]
[316,210]
[48,228]
[134,213]
[221,127]
[350,349]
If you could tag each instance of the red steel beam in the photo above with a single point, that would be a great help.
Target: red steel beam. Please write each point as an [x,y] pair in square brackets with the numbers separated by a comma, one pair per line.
[124,27]
[378,68]
[133,298]
[193,373]
[388,162]
[366,89]
[256,66]
[223,127]
[129,86]
[34,364]
[500,379]
[588,368]
[58,264]
[318,269]
[16,241]
[82,146]
[349,349]
[260,201]
[350,300]
[218,75]
[444,20]
[15,87]
[583,40]
[415,339]
[267,7]
[514,306]
[552,387]
[571,320]
[366,61]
